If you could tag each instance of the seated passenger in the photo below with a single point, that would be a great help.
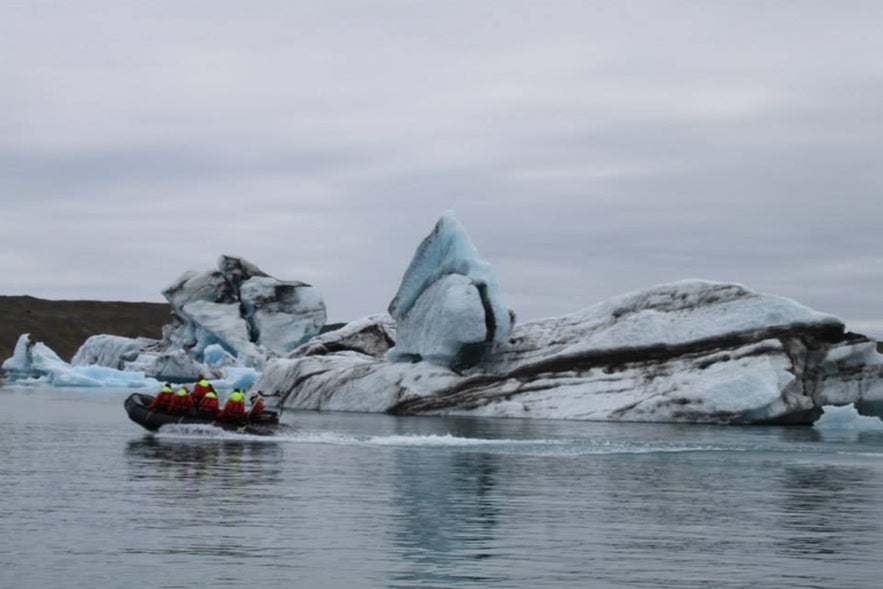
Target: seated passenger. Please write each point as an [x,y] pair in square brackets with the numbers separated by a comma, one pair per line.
[181,402]
[162,401]
[208,407]
[257,405]
[234,408]
[201,387]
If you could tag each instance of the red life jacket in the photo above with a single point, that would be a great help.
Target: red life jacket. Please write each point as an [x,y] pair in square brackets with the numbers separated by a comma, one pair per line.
[180,403]
[162,400]
[209,405]
[234,407]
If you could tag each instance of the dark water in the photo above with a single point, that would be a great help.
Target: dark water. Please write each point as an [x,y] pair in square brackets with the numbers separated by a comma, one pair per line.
[90,500]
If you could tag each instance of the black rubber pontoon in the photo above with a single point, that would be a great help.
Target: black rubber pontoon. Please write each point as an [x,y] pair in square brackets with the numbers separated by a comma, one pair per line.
[137,405]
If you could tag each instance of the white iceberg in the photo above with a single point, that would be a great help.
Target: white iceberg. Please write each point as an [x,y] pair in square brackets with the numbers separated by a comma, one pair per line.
[692,351]
[689,351]
[112,351]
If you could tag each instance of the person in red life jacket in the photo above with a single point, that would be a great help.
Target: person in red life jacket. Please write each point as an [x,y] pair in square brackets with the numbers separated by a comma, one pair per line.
[162,401]
[201,387]
[257,405]
[234,408]
[208,407]
[181,402]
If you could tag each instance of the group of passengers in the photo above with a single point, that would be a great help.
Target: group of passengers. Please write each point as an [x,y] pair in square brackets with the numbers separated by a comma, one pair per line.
[203,402]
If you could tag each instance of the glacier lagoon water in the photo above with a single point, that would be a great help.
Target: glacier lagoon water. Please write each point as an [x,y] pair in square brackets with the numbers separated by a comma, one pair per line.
[351,500]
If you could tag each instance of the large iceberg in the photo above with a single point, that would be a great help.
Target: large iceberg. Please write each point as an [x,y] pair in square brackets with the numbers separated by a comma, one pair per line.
[448,309]
[692,351]
[689,351]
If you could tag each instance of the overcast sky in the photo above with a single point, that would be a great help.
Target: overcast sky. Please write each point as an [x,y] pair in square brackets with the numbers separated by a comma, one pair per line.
[589,148]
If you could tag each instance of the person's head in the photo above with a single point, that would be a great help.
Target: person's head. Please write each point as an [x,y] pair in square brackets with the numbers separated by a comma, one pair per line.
[253,397]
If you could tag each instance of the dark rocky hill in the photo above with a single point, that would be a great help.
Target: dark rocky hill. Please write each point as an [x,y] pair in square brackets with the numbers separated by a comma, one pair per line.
[65,325]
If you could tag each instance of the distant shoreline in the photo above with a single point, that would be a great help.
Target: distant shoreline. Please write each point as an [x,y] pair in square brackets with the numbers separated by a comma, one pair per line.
[65,325]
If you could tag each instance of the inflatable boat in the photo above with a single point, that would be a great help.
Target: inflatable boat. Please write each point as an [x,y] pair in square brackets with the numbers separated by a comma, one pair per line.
[138,407]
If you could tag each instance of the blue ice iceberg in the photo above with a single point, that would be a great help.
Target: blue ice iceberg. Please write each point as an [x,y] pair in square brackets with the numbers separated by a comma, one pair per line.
[37,362]
[448,309]
[225,323]
[847,419]
[244,310]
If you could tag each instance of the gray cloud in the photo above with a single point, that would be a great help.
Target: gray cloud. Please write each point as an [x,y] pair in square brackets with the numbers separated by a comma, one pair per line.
[589,149]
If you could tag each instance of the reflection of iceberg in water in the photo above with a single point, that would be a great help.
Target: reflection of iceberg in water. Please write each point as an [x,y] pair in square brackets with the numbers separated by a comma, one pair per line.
[448,513]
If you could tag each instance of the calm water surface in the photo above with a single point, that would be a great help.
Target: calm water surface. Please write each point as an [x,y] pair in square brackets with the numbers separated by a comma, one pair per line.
[351,500]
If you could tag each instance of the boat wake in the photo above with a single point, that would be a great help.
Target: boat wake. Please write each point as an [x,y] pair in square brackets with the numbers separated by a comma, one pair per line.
[415,441]
[200,431]
[841,420]
[537,447]
[522,447]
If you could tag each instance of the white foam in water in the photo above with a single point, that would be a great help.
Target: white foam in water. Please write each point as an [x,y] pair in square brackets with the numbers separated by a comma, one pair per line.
[537,447]
[445,440]
[531,447]
[181,430]
[196,431]
[449,440]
